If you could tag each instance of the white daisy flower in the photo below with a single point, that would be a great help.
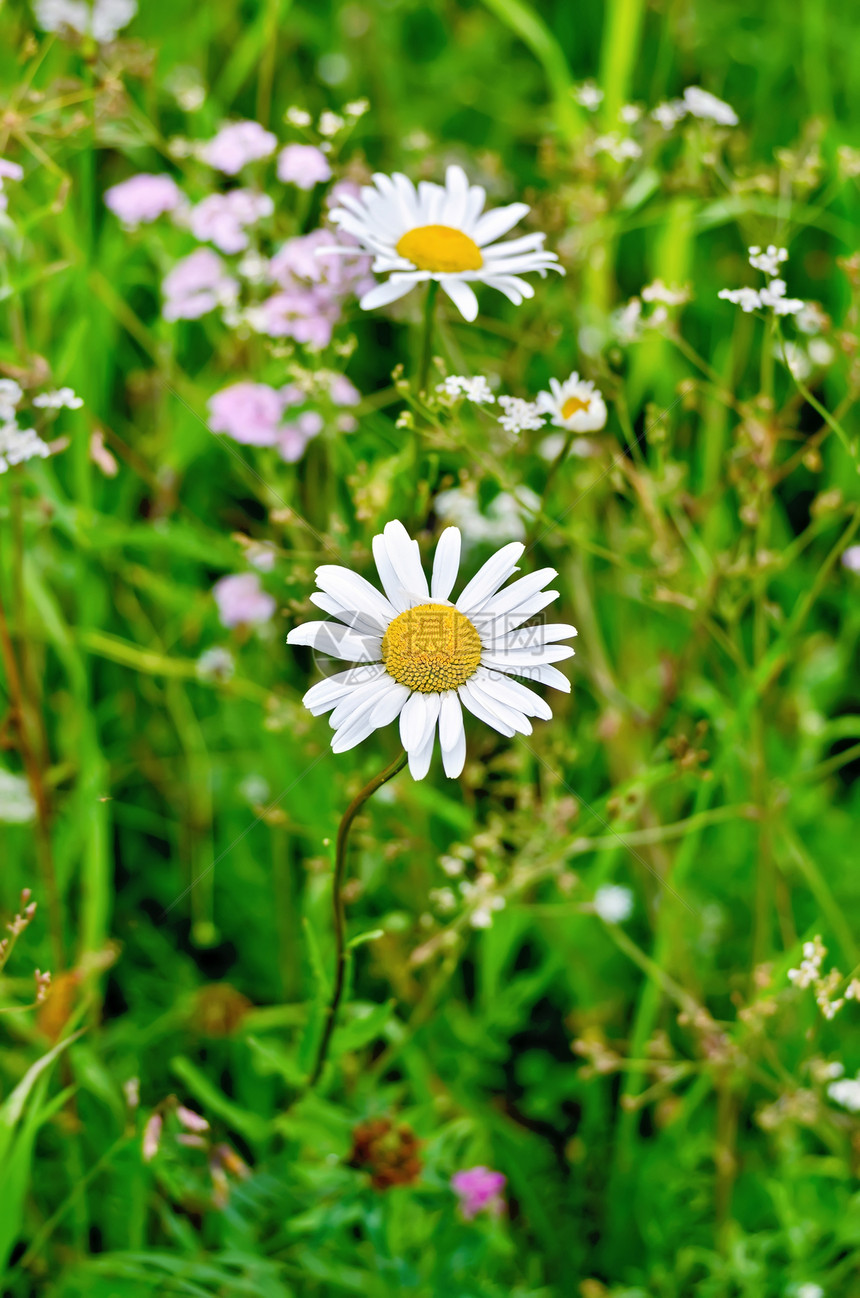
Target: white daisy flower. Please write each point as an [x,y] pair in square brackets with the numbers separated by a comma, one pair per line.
[576,405]
[440,232]
[425,658]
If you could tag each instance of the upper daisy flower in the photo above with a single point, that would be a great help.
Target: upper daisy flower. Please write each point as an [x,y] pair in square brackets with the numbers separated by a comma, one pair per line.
[574,404]
[440,232]
[425,656]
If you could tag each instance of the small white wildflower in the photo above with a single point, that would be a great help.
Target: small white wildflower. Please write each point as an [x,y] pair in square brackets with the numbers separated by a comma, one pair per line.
[748,299]
[255,789]
[475,389]
[621,149]
[575,404]
[796,358]
[832,1071]
[16,802]
[774,297]
[613,903]
[630,113]
[297,117]
[330,123]
[215,664]
[444,899]
[62,398]
[660,292]
[820,352]
[588,95]
[809,1290]
[669,114]
[519,415]
[701,103]
[17,445]
[768,260]
[254,267]
[452,865]
[851,558]
[627,322]
[357,108]
[10,394]
[846,1092]
[131,1091]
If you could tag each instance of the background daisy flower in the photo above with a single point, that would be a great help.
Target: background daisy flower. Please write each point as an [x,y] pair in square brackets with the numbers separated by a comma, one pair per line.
[575,404]
[440,232]
[425,658]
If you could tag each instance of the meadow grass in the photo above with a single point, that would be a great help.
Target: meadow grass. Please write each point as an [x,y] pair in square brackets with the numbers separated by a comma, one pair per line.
[654,1087]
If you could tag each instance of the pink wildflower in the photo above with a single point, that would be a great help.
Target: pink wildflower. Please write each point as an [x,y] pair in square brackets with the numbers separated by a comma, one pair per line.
[143,198]
[222,219]
[241,600]
[237,144]
[303,165]
[197,284]
[479,1190]
[249,412]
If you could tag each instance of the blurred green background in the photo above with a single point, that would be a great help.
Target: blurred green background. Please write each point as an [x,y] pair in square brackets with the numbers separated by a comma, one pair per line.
[654,1091]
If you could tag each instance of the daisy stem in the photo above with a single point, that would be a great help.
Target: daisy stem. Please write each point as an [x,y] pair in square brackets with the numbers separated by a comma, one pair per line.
[427,337]
[338,911]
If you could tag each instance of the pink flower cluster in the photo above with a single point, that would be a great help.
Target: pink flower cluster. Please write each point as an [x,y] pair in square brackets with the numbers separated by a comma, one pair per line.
[242,601]
[223,219]
[237,144]
[303,165]
[197,284]
[479,1190]
[312,290]
[143,198]
[253,413]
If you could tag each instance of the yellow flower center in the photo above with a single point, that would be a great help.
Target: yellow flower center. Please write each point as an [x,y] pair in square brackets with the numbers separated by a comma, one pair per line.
[431,648]
[440,248]
[572,406]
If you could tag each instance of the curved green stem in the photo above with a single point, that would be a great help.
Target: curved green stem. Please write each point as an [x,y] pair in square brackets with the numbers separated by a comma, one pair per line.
[427,337]
[337,905]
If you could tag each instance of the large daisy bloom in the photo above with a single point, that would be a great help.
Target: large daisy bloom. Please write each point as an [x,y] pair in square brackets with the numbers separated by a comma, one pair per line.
[440,232]
[423,658]
[575,404]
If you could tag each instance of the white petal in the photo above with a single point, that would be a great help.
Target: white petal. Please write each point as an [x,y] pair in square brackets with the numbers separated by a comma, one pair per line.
[363,698]
[514,247]
[391,583]
[412,720]
[352,591]
[450,721]
[490,627]
[461,295]
[534,655]
[354,733]
[360,622]
[457,196]
[391,704]
[454,759]
[493,225]
[446,564]
[490,577]
[545,675]
[514,694]
[419,761]
[405,557]
[419,757]
[512,596]
[398,286]
[337,641]
[327,693]
[478,708]
[511,715]
[541,633]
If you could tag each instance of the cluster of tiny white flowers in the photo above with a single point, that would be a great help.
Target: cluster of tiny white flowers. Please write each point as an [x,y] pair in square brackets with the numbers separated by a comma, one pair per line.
[769,259]
[519,415]
[846,1092]
[503,520]
[476,390]
[773,294]
[62,399]
[103,20]
[215,664]
[484,901]
[619,147]
[666,295]
[588,95]
[809,974]
[695,103]
[613,903]
[17,444]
